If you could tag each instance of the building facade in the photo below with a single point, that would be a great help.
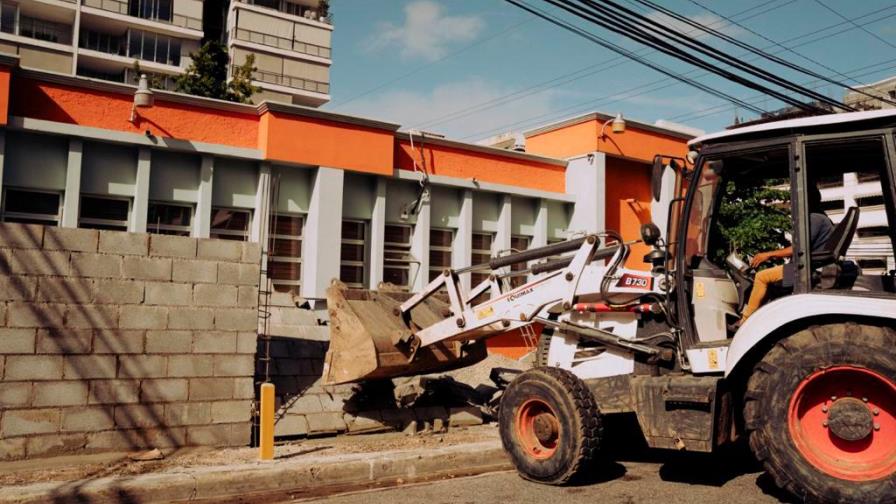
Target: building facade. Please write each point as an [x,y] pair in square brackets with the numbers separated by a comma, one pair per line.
[885,89]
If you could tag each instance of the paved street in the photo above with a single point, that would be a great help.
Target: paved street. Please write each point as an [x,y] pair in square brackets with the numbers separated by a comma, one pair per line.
[666,479]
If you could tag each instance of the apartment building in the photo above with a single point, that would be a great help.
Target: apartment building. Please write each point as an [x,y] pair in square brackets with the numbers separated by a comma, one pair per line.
[291,41]
[103,38]
[880,91]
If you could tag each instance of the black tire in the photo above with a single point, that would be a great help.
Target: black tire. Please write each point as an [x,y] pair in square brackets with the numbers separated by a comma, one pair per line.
[578,431]
[784,372]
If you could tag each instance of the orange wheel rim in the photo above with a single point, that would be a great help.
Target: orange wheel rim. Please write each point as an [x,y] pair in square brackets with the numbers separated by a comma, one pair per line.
[538,429]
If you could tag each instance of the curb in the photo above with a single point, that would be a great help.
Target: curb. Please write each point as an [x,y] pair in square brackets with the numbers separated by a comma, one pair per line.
[312,476]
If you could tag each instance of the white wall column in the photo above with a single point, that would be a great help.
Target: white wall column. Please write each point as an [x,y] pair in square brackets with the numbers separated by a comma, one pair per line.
[586,178]
[420,246]
[72,184]
[141,192]
[540,231]
[377,234]
[2,157]
[462,248]
[323,233]
[261,215]
[202,228]
[505,228]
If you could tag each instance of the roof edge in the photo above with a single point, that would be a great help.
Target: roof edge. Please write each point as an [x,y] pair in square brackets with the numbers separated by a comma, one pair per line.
[601,116]
[404,135]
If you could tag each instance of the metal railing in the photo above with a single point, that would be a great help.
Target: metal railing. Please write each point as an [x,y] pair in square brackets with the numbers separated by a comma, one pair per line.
[279,42]
[290,8]
[291,82]
[125,8]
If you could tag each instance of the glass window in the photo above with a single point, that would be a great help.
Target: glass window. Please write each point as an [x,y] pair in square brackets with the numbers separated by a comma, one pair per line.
[98,212]
[397,256]
[519,244]
[230,224]
[168,218]
[440,241]
[352,266]
[482,253]
[8,14]
[285,251]
[32,207]
[152,47]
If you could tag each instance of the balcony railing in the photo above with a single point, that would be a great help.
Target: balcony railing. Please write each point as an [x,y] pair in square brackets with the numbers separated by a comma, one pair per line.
[287,7]
[38,29]
[133,8]
[291,82]
[279,42]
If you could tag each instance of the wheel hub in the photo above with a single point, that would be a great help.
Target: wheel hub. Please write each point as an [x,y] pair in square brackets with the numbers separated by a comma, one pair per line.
[545,428]
[850,419]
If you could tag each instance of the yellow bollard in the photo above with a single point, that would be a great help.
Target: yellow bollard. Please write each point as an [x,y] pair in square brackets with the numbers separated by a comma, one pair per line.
[266,423]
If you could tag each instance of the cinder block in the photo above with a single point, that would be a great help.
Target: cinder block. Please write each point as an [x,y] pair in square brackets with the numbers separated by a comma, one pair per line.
[190,365]
[17,288]
[169,342]
[117,292]
[331,402]
[244,388]
[246,342]
[212,435]
[464,416]
[22,314]
[191,413]
[168,293]
[191,318]
[163,391]
[238,274]
[91,316]
[211,389]
[305,404]
[236,319]
[231,411]
[15,394]
[291,425]
[248,297]
[195,271]
[34,262]
[12,449]
[64,290]
[63,341]
[118,440]
[118,341]
[251,253]
[120,242]
[214,295]
[33,367]
[143,317]
[114,392]
[139,415]
[172,246]
[311,333]
[81,240]
[325,423]
[365,422]
[82,367]
[142,366]
[89,419]
[214,342]
[91,265]
[17,341]
[234,365]
[30,421]
[13,235]
[220,250]
[55,444]
[64,393]
[146,268]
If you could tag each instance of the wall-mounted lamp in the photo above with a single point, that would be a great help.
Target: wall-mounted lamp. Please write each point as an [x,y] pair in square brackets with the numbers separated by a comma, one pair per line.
[617,125]
[143,97]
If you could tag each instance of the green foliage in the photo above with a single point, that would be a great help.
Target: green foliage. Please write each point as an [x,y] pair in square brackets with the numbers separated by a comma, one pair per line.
[753,217]
[323,10]
[207,75]
[154,81]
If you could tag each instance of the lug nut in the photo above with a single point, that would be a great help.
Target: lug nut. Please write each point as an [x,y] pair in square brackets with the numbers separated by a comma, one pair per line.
[824,424]
[877,426]
[824,409]
[864,399]
[875,411]
[833,398]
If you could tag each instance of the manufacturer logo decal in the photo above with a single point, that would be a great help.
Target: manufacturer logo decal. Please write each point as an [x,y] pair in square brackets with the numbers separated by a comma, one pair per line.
[630,281]
[517,295]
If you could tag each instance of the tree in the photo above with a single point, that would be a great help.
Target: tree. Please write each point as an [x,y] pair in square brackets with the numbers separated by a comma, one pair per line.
[753,217]
[207,75]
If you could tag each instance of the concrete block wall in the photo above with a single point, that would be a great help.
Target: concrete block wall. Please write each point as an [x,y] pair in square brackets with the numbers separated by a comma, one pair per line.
[118,341]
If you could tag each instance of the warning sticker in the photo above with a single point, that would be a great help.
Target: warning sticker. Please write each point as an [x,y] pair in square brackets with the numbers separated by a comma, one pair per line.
[486,312]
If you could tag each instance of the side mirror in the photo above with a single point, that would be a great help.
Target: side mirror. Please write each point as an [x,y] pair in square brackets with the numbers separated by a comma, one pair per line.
[650,234]
[656,178]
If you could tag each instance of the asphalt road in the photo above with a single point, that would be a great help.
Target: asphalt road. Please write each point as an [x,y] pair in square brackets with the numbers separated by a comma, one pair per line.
[657,477]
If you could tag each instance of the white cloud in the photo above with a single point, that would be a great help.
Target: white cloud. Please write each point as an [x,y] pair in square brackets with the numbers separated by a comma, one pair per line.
[413,108]
[427,32]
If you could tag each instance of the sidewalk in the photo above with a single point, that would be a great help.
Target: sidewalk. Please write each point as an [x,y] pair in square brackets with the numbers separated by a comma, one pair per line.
[301,468]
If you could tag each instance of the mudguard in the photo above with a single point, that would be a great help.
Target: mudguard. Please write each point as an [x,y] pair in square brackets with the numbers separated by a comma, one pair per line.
[799,307]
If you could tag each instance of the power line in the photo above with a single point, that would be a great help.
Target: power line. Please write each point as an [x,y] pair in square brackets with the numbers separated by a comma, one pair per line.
[841,16]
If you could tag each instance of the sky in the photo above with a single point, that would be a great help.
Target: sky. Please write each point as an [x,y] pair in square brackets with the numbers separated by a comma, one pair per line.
[471,69]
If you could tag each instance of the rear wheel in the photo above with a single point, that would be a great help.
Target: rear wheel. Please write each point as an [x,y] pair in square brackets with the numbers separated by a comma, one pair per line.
[821,412]
[550,425]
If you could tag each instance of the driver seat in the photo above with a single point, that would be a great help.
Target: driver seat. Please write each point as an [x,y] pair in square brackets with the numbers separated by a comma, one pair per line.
[829,271]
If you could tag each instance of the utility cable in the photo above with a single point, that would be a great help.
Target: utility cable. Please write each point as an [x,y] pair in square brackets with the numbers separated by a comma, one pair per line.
[869,32]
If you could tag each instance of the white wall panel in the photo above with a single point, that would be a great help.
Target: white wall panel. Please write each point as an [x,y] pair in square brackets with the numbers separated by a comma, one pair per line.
[295,188]
[235,183]
[358,196]
[523,216]
[446,205]
[486,211]
[174,176]
[108,169]
[36,161]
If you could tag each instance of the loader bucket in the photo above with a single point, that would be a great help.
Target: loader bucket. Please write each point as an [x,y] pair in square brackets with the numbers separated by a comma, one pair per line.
[364,326]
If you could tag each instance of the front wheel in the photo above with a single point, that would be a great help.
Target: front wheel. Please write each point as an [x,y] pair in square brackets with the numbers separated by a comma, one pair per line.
[550,425]
[820,410]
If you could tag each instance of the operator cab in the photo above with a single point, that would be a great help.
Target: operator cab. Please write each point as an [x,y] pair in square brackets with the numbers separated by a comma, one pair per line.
[750,193]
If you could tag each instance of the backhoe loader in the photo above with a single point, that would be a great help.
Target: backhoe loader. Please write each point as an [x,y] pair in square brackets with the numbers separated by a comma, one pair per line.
[808,381]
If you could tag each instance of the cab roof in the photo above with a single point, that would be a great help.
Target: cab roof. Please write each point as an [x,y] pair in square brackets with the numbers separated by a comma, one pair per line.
[792,126]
